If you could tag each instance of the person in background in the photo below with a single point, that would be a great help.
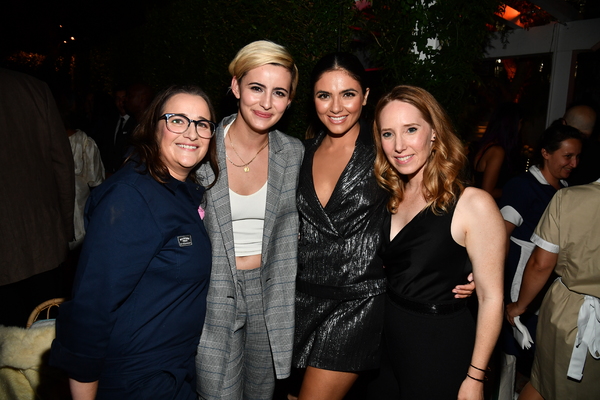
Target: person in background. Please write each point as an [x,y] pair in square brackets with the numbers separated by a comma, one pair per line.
[522,204]
[137,100]
[438,232]
[583,118]
[567,364]
[112,133]
[341,281]
[494,161]
[37,196]
[89,171]
[132,326]
[252,221]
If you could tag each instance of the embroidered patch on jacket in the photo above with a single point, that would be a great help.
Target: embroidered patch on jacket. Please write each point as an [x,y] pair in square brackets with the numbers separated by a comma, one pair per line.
[185,240]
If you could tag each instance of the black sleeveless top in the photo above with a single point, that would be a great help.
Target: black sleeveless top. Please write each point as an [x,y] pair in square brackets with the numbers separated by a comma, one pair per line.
[423,262]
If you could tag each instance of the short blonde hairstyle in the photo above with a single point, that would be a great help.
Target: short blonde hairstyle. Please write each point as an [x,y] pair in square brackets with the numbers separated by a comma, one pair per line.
[443,180]
[263,52]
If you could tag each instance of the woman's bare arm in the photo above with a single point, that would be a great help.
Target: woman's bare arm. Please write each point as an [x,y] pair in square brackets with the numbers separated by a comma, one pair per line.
[537,271]
[492,161]
[480,228]
[83,390]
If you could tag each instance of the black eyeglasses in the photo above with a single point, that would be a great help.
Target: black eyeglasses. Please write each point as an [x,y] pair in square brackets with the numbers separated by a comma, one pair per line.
[178,123]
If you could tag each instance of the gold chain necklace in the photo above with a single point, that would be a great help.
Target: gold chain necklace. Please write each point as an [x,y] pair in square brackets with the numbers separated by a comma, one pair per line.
[245,165]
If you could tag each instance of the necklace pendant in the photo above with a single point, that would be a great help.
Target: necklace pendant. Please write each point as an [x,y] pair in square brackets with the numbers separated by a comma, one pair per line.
[246,169]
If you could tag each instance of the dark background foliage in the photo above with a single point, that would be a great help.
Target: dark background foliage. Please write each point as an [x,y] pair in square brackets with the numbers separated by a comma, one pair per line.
[193,41]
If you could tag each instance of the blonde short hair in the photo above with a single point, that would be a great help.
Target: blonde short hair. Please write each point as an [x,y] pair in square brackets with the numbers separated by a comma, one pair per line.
[263,52]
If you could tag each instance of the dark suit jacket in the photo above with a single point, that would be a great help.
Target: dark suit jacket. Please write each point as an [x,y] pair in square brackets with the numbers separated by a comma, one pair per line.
[278,269]
[37,191]
[113,152]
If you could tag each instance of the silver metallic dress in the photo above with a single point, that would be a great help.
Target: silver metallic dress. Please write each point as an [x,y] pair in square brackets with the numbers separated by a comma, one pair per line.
[340,282]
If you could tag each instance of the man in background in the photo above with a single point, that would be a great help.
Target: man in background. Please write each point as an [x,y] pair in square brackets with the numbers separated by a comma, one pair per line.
[583,118]
[114,131]
[37,194]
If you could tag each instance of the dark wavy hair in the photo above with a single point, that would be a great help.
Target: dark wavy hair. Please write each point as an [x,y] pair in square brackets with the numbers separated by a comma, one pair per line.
[443,180]
[146,142]
[552,139]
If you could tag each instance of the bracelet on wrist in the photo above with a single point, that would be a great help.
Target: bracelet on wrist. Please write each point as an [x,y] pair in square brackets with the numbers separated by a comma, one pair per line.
[478,380]
[479,369]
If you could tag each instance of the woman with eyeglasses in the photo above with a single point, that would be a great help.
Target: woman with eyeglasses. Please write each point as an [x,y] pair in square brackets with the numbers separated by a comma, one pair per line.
[132,326]
[252,221]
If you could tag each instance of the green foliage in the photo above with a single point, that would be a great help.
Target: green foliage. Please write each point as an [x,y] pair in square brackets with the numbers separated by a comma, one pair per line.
[308,29]
[193,41]
[399,33]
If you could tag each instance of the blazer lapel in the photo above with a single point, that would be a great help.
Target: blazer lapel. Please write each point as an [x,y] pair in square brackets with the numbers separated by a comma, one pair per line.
[219,195]
[277,164]
[315,212]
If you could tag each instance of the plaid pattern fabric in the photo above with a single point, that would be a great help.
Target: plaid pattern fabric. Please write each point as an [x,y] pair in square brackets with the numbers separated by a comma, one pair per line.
[278,270]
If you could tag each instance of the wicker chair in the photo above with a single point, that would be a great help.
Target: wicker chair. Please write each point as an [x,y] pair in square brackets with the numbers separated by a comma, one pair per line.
[24,370]
[45,306]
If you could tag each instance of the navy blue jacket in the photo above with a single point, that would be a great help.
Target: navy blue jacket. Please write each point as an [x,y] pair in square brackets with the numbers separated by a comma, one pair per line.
[139,298]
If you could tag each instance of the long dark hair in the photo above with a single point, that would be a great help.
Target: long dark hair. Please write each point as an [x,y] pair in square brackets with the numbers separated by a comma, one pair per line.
[335,62]
[145,141]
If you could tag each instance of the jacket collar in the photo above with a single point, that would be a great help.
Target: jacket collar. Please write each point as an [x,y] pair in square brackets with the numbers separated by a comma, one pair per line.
[537,174]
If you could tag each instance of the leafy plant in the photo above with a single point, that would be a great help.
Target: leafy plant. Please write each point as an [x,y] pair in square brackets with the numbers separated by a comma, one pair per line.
[192,41]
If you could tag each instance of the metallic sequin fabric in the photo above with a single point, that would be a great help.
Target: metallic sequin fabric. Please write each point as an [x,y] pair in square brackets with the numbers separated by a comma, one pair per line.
[340,282]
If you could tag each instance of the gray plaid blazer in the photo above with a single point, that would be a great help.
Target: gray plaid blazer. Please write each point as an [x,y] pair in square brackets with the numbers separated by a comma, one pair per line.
[279,261]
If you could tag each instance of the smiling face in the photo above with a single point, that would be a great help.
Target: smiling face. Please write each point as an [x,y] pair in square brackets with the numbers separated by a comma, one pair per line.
[561,162]
[181,152]
[263,94]
[339,100]
[406,138]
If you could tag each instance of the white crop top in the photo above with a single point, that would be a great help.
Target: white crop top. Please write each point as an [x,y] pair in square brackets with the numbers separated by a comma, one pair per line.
[248,219]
